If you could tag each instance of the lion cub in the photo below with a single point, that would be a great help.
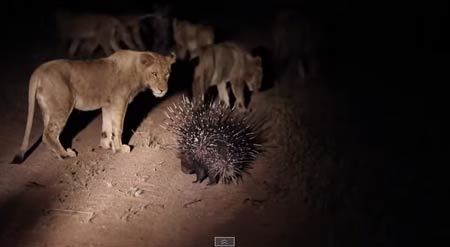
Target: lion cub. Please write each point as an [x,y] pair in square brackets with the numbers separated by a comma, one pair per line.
[108,83]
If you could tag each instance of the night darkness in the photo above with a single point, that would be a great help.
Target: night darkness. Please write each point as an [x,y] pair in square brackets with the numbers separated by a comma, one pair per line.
[358,138]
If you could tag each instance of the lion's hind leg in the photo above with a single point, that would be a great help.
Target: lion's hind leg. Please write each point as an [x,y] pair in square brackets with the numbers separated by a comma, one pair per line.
[74,44]
[238,88]
[223,93]
[138,38]
[55,117]
[51,138]
[88,47]
[198,86]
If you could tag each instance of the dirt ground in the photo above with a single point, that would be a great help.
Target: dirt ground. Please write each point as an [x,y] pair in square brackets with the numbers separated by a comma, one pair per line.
[136,199]
[141,198]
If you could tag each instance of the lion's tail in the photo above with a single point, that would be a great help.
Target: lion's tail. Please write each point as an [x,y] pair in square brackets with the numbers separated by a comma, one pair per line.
[26,138]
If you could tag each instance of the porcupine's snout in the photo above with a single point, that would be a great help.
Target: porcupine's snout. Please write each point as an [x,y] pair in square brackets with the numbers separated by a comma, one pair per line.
[191,167]
[201,174]
[187,170]
[186,166]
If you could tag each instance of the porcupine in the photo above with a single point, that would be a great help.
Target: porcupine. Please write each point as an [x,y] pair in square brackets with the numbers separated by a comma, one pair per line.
[213,140]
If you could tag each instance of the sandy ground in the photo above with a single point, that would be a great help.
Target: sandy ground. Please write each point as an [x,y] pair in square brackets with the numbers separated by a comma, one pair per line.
[141,198]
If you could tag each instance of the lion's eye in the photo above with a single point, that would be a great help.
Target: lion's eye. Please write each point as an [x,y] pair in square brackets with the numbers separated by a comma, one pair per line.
[154,74]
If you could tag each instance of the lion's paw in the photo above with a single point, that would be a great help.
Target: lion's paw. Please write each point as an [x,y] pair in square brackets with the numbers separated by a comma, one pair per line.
[125,148]
[71,153]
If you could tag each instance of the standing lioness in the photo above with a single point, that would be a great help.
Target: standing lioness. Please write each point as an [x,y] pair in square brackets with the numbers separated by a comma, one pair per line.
[109,83]
[227,62]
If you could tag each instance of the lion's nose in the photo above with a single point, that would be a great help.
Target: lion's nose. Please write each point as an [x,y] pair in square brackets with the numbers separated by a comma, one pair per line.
[161,89]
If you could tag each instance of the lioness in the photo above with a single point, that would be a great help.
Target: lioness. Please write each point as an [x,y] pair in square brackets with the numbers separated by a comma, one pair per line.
[227,62]
[133,24]
[88,31]
[190,37]
[108,83]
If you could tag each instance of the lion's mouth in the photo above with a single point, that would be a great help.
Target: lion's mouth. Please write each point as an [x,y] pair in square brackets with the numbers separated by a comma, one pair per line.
[159,94]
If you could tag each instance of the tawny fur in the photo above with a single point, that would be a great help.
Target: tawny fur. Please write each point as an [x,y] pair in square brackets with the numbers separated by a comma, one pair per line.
[85,32]
[190,37]
[109,83]
[227,62]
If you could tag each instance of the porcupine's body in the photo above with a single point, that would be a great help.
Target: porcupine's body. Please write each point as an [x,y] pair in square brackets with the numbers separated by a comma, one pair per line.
[213,140]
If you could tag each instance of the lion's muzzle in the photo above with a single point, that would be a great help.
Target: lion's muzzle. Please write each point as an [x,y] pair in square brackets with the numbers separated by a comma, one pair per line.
[159,93]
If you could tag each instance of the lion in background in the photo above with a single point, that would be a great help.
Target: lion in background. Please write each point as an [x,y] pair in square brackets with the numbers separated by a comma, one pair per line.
[85,32]
[158,22]
[189,38]
[227,62]
[108,83]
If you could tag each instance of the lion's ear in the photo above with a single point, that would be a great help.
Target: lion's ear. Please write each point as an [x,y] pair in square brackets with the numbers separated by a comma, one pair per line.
[172,57]
[146,60]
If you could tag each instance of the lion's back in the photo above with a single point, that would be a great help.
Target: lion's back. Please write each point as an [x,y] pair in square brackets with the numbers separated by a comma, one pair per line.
[229,59]
[51,70]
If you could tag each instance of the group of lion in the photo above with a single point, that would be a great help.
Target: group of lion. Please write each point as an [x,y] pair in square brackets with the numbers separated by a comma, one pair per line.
[85,33]
[218,63]
[110,83]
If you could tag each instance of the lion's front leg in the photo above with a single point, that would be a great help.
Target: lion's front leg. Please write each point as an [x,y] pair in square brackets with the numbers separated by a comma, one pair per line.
[88,47]
[117,117]
[106,140]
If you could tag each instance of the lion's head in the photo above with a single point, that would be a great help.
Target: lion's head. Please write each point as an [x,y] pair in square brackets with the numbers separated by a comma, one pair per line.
[156,71]
[254,73]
